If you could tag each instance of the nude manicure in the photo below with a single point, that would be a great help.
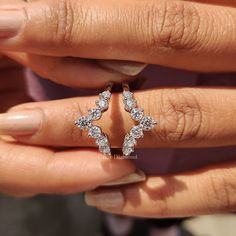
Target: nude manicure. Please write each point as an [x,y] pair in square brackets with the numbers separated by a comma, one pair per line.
[105,199]
[124,67]
[20,123]
[11,22]
[135,177]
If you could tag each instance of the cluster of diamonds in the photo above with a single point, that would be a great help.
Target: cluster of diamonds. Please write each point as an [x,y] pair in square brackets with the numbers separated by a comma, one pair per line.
[86,123]
[144,123]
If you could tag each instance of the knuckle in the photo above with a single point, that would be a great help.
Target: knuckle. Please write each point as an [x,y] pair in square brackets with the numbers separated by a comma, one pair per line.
[223,191]
[158,196]
[173,24]
[64,18]
[59,20]
[180,116]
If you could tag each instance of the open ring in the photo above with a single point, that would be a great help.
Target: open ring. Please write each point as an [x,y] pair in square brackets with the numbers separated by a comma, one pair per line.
[94,131]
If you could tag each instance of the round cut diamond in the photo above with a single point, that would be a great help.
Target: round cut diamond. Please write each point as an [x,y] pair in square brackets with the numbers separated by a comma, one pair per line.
[130,141]
[127,94]
[102,141]
[95,114]
[102,104]
[137,114]
[136,132]
[148,123]
[130,104]
[105,150]
[83,122]
[95,131]
[106,95]
[127,150]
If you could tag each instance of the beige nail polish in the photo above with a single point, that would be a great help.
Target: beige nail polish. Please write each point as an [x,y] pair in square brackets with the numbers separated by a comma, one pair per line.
[105,199]
[124,67]
[20,123]
[11,22]
[136,177]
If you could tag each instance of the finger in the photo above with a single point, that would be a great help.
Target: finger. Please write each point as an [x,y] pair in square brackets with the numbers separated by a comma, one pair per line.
[218,2]
[74,72]
[208,191]
[187,117]
[29,170]
[181,34]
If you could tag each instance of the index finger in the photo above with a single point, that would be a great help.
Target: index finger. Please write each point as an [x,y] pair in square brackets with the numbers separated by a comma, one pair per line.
[173,33]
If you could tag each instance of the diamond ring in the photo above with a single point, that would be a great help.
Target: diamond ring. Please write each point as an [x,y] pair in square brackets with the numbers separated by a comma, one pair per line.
[144,123]
[94,131]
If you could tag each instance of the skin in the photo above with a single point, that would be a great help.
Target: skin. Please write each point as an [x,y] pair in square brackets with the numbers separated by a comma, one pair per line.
[191,35]
[29,170]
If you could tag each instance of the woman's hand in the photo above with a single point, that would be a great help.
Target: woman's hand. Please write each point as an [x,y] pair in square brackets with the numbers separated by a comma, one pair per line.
[207,191]
[27,170]
[193,35]
[188,117]
[71,71]
[183,34]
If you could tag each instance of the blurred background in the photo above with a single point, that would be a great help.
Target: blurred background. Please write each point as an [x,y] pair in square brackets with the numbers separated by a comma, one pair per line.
[69,216]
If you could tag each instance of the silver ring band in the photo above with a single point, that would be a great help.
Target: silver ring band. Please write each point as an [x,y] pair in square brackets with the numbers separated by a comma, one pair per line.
[143,123]
[94,131]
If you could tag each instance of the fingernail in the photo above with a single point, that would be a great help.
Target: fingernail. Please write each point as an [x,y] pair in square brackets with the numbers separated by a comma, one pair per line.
[124,67]
[10,22]
[136,177]
[105,199]
[20,123]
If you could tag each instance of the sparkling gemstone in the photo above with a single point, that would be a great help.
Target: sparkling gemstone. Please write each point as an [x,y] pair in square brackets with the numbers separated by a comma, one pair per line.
[106,95]
[102,141]
[84,122]
[148,123]
[95,131]
[95,114]
[127,150]
[102,104]
[137,114]
[136,132]
[127,94]
[130,141]
[105,150]
[130,104]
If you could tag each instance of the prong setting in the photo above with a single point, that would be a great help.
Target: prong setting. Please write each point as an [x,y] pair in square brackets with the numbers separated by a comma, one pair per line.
[143,123]
[85,123]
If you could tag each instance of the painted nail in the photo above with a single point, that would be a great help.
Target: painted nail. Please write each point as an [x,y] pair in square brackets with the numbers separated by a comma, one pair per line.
[136,177]
[11,22]
[20,123]
[105,199]
[124,67]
